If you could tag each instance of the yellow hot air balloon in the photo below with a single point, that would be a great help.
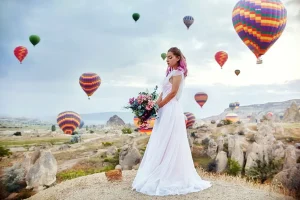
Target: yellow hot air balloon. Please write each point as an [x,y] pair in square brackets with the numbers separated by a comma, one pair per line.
[150,122]
[232,117]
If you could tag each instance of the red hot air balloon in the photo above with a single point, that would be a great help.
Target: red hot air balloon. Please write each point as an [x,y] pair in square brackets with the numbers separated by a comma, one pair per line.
[20,52]
[201,98]
[68,121]
[190,119]
[89,82]
[221,57]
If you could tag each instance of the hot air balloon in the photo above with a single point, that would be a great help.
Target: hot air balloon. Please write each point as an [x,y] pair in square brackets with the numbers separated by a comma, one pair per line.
[232,117]
[270,114]
[232,106]
[34,39]
[191,119]
[68,121]
[136,16]
[237,72]
[163,56]
[81,124]
[188,21]
[20,52]
[89,82]
[259,24]
[237,105]
[221,58]
[150,122]
[201,98]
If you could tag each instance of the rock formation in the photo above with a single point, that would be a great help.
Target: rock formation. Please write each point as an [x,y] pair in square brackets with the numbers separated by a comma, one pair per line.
[115,121]
[292,114]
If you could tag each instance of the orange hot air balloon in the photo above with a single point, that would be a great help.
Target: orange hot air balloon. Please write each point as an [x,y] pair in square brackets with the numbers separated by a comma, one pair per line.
[20,52]
[237,72]
[150,122]
[221,57]
[201,98]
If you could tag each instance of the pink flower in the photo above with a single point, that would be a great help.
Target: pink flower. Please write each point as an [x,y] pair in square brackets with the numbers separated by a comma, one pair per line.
[131,100]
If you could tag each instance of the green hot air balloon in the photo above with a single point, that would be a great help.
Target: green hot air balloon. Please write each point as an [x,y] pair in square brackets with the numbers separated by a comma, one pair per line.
[136,16]
[34,39]
[163,56]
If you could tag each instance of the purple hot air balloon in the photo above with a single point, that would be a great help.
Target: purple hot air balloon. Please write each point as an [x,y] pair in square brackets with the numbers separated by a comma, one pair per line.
[259,24]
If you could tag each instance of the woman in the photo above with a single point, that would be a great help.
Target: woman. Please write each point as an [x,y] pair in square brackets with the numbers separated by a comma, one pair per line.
[167,166]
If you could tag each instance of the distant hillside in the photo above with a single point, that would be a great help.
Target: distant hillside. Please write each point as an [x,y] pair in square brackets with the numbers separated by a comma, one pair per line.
[258,110]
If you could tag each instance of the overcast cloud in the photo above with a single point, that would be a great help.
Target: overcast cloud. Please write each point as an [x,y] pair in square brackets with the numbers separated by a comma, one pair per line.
[101,37]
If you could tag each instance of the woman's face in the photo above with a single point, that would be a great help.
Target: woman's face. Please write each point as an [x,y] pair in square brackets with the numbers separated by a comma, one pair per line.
[172,59]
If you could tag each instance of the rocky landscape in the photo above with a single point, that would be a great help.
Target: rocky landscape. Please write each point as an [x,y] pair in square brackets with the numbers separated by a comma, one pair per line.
[253,160]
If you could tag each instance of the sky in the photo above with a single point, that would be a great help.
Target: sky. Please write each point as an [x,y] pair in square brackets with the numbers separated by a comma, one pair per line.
[101,37]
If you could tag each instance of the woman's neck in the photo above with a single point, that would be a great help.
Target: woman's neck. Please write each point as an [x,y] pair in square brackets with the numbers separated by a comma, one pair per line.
[174,67]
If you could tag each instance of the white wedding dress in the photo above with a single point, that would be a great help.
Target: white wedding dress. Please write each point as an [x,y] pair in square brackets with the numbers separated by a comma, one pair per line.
[167,167]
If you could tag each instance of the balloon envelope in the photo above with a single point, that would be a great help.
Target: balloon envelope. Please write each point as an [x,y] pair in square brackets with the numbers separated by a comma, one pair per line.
[232,117]
[221,58]
[20,53]
[34,39]
[136,16]
[150,122]
[163,56]
[81,124]
[201,98]
[89,82]
[259,23]
[188,21]
[190,119]
[68,121]
[237,72]
[232,106]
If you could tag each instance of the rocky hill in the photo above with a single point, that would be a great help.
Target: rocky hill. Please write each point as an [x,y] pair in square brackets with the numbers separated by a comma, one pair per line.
[257,110]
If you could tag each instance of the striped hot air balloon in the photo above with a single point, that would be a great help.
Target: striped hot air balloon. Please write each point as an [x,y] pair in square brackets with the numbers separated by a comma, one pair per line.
[232,117]
[221,58]
[188,21]
[259,24]
[68,121]
[201,98]
[20,53]
[89,82]
[190,119]
[150,122]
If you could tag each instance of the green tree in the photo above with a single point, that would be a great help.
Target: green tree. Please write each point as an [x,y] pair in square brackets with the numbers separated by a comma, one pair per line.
[53,128]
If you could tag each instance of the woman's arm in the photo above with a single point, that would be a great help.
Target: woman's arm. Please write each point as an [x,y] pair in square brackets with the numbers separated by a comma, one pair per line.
[175,86]
[159,98]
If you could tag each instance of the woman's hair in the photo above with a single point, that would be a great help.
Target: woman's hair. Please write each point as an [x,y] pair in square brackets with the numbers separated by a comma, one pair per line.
[182,66]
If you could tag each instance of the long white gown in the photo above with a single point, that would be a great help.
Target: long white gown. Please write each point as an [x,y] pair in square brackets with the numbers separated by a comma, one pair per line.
[167,166]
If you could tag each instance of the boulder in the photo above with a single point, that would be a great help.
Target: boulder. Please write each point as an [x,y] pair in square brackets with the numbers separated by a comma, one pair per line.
[129,156]
[43,171]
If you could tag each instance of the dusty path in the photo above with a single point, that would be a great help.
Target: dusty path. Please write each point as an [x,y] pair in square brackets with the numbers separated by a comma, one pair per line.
[96,187]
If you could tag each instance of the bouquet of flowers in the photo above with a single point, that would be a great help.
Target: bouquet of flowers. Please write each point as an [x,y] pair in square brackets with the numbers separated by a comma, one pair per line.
[143,106]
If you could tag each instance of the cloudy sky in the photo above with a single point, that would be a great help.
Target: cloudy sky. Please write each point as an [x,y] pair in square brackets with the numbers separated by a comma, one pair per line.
[101,37]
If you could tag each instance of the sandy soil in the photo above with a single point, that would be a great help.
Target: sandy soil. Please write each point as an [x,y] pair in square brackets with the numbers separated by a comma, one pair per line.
[96,187]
